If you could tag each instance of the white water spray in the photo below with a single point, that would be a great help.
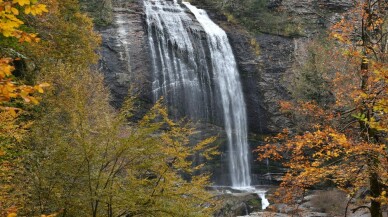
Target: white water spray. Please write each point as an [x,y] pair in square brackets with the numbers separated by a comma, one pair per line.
[198,86]
[225,70]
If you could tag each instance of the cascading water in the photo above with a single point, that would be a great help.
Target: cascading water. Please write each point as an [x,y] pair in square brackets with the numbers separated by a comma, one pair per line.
[225,70]
[181,73]
[195,85]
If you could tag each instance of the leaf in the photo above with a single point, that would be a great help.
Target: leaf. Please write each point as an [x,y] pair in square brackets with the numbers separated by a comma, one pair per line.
[15,11]
[27,10]
[22,2]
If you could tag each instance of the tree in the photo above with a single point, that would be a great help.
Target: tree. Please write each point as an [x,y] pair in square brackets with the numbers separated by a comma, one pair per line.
[11,128]
[347,142]
[82,157]
[93,162]
[10,26]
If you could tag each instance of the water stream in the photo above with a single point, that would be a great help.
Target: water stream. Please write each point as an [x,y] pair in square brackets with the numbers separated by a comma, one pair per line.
[194,69]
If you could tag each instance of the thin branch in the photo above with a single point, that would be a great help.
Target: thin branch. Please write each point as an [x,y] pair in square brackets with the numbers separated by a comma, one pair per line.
[360,207]
[354,194]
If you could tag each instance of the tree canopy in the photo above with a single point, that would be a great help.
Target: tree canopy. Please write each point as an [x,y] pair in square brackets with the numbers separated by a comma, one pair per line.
[73,154]
[343,142]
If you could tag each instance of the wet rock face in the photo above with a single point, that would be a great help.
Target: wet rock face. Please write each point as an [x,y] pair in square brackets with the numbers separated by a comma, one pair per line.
[124,54]
[312,14]
[126,59]
[262,74]
[248,64]
[238,204]
[126,64]
[297,5]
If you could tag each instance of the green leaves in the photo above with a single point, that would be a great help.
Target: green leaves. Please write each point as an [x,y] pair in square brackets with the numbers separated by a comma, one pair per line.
[360,116]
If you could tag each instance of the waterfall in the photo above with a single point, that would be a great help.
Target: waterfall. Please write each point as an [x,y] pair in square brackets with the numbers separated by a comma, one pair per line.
[181,74]
[264,200]
[197,75]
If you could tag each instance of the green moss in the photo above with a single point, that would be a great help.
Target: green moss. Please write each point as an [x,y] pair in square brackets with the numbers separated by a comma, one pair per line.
[256,203]
[100,10]
[255,16]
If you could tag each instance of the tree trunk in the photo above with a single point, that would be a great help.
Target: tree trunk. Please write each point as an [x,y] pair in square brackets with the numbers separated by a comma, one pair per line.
[375,189]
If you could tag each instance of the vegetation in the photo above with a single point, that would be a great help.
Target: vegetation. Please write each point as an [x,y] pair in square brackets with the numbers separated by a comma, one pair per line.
[13,93]
[73,154]
[99,10]
[256,16]
[341,141]
[64,151]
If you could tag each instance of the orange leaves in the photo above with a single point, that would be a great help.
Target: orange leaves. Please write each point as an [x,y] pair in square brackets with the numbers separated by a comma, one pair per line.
[10,90]
[286,106]
[324,154]
[345,140]
[268,151]
[9,27]
[5,68]
[342,31]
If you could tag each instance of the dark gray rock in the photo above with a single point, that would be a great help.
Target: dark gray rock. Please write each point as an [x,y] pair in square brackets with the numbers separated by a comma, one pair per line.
[125,60]
[126,65]
[238,204]
[311,15]
[258,117]
[261,75]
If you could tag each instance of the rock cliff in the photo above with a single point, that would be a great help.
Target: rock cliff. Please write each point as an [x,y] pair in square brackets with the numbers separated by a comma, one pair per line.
[265,50]
[125,58]
[263,57]
[266,37]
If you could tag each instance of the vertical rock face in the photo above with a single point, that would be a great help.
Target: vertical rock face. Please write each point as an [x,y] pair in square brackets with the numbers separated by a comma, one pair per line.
[264,63]
[194,69]
[313,14]
[125,58]
[262,60]
[127,64]
[261,76]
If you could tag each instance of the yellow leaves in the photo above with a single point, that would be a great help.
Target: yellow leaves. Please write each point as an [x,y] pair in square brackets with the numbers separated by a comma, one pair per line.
[10,23]
[40,87]
[338,37]
[10,90]
[5,68]
[9,27]
[12,214]
[204,147]
[365,60]
[37,9]
[51,215]
[21,2]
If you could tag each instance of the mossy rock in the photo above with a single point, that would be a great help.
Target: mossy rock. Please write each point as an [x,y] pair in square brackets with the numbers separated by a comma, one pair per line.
[237,204]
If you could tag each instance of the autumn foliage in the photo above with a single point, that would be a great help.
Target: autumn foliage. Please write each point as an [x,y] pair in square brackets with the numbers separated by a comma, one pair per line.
[72,154]
[10,26]
[12,130]
[343,143]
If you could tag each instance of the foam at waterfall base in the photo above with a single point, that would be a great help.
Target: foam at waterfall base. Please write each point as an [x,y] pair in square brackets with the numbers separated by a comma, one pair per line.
[259,190]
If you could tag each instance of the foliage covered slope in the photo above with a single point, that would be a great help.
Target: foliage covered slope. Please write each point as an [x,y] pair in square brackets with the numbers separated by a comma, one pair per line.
[73,154]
